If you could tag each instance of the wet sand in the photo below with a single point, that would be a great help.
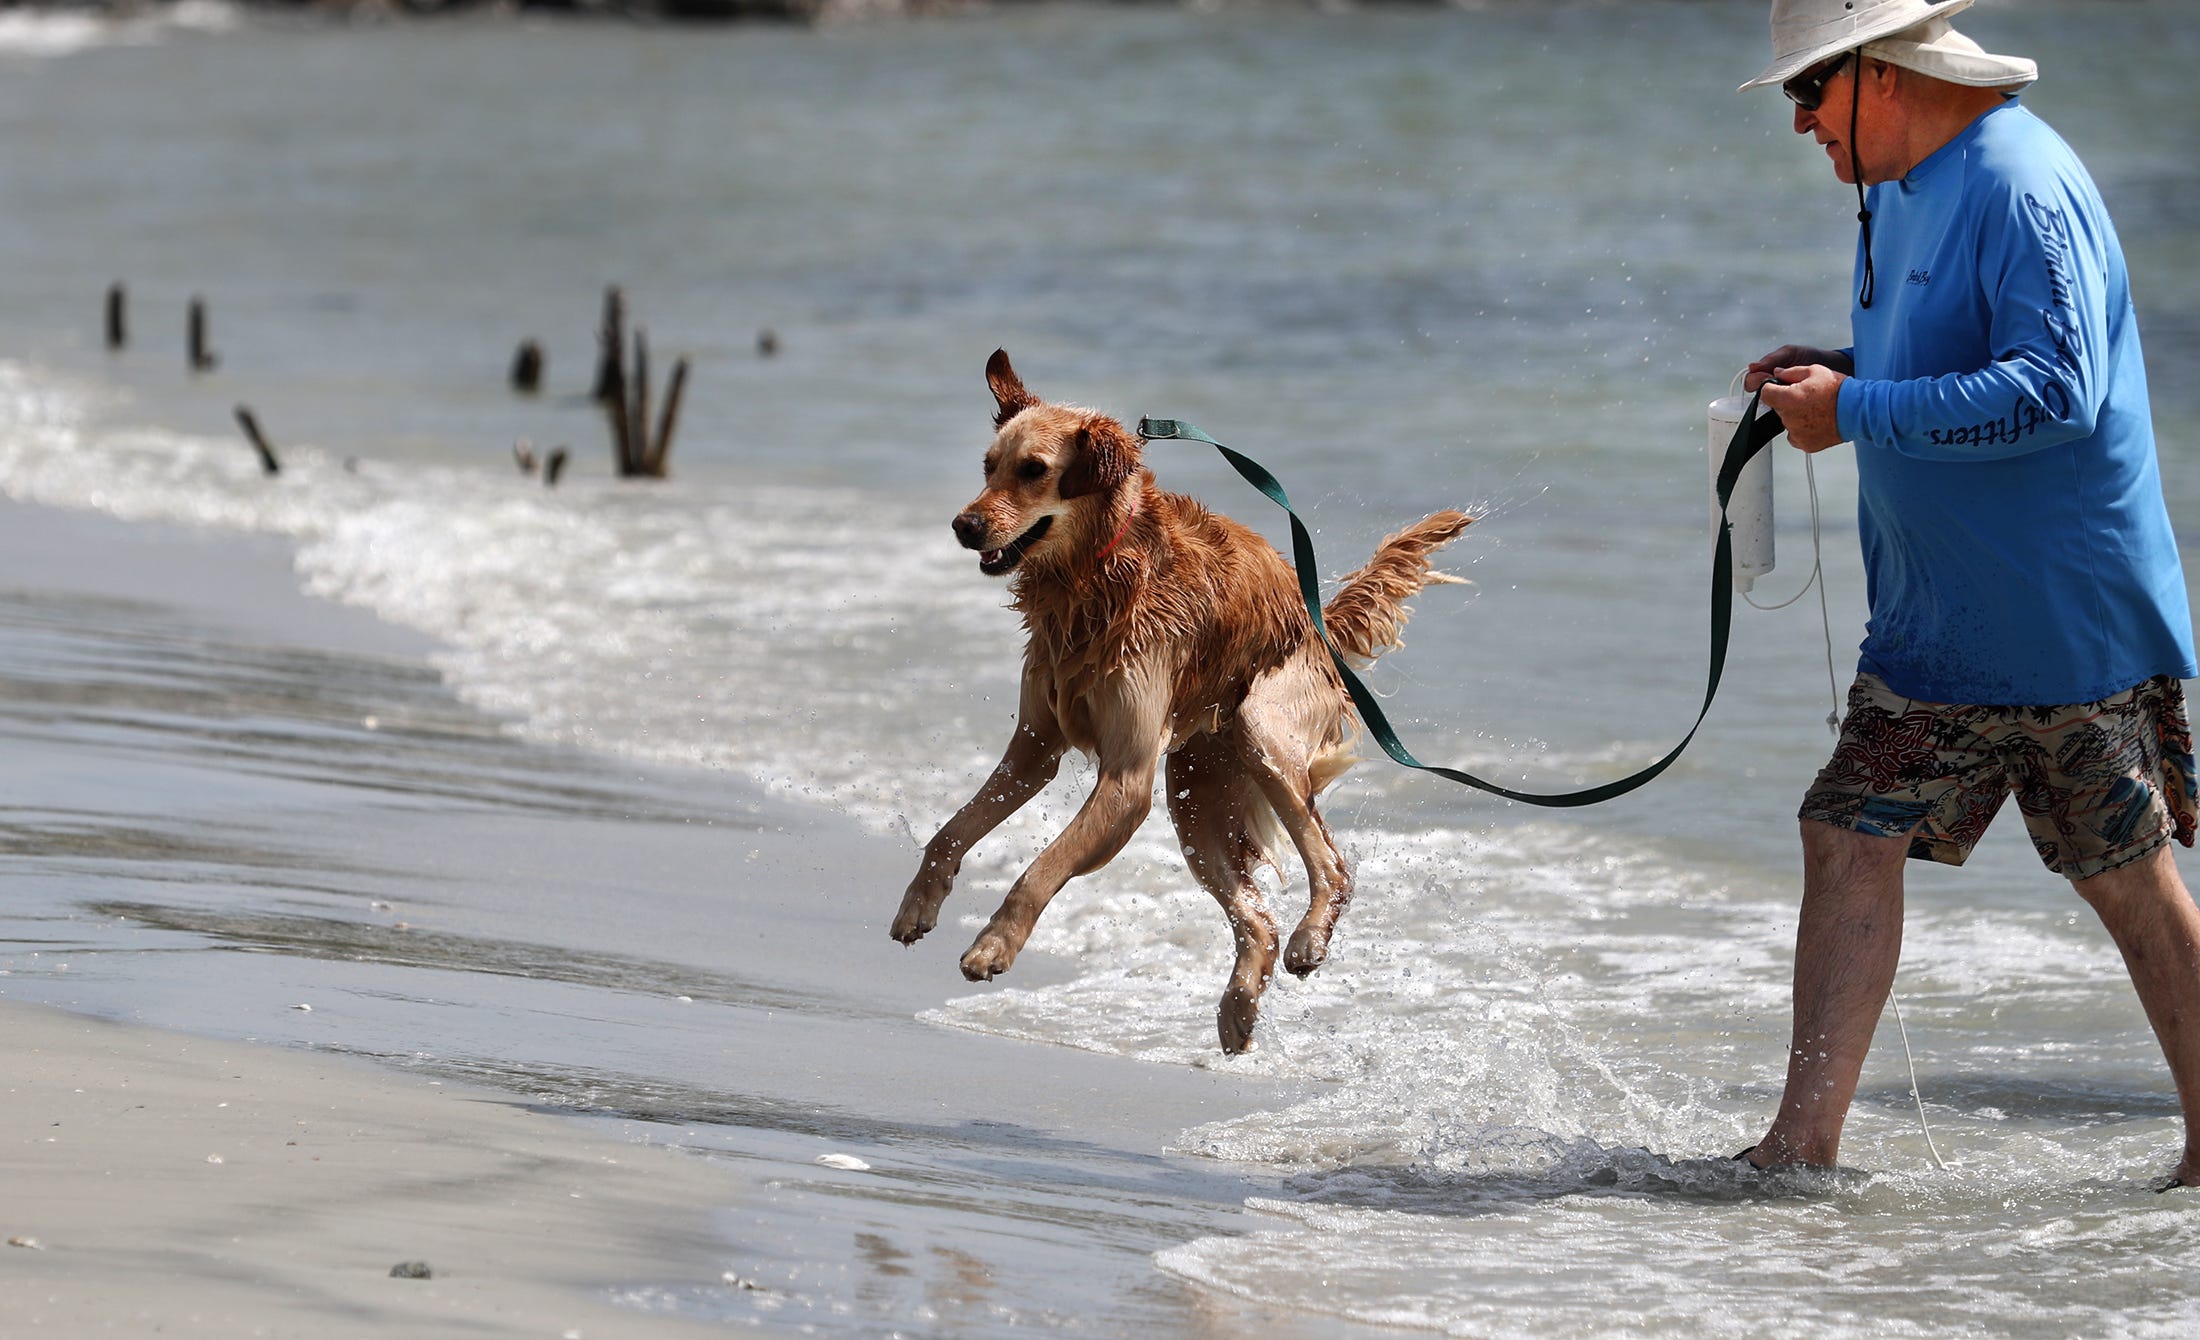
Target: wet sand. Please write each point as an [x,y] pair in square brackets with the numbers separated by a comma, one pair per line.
[163,1183]
[577,1033]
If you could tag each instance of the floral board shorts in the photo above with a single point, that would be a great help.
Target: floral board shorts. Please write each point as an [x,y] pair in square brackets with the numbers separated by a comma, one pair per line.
[2100,785]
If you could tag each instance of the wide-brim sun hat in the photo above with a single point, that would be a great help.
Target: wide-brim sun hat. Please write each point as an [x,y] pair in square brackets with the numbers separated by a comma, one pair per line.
[1935,49]
[1914,34]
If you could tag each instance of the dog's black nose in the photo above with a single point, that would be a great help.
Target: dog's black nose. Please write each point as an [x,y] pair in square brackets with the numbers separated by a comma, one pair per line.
[970,529]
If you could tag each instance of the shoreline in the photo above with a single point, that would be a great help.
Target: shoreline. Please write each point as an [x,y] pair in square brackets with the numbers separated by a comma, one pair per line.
[260,856]
[160,1177]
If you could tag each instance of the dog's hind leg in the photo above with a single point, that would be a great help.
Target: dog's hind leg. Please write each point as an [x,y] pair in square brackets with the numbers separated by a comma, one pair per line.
[1222,819]
[1280,728]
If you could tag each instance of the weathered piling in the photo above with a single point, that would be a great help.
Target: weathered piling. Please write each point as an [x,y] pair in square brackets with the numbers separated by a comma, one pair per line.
[203,359]
[624,390]
[553,467]
[637,435]
[611,342]
[527,367]
[654,465]
[252,434]
[118,331]
[612,375]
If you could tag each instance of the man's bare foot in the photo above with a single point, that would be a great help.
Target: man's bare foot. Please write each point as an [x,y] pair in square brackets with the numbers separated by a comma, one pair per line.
[1774,1151]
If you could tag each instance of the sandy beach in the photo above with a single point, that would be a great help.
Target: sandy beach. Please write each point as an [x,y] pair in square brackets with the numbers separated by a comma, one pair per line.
[159,1182]
[619,1015]
[163,1184]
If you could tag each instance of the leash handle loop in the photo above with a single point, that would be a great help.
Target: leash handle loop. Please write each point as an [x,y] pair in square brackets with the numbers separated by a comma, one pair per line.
[1751,436]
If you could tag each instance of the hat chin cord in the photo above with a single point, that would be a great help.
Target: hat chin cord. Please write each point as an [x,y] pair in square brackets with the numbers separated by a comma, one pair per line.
[1856,170]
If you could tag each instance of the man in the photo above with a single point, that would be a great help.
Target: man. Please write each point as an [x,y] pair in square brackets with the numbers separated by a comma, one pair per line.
[2028,616]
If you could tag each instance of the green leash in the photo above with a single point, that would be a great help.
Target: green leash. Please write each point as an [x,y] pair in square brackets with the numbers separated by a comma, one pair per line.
[1750,437]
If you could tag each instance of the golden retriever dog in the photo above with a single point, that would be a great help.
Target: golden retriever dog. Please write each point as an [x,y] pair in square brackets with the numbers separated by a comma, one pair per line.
[1157,628]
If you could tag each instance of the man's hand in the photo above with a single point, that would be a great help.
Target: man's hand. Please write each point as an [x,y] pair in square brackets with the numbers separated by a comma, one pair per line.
[1807,399]
[1794,356]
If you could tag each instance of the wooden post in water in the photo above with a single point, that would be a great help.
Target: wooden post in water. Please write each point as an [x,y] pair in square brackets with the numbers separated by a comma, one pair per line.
[637,433]
[251,426]
[611,343]
[622,422]
[553,467]
[635,450]
[527,367]
[662,447]
[118,333]
[202,358]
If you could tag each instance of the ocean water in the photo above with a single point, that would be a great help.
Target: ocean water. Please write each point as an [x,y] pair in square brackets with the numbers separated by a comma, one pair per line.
[1495,257]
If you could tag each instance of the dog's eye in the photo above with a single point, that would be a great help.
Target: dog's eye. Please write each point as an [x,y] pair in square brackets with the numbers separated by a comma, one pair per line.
[1032,470]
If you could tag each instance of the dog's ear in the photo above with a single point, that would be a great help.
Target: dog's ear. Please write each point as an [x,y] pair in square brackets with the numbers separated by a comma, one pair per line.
[1105,457]
[1008,388]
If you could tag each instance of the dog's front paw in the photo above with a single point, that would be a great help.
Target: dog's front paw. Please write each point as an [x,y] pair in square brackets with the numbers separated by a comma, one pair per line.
[920,907]
[1308,950]
[1239,1011]
[991,956]
[911,923]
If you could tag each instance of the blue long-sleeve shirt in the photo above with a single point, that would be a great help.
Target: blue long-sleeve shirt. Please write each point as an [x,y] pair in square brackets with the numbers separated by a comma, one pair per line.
[2017,549]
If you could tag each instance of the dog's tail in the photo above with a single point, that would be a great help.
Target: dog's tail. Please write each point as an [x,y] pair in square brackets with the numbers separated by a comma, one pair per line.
[1368,612]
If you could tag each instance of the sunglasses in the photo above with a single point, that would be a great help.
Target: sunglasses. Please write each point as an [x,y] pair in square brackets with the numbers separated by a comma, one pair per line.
[1808,89]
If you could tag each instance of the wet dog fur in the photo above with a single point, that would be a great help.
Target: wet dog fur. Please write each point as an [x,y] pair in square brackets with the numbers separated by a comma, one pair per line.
[1158,629]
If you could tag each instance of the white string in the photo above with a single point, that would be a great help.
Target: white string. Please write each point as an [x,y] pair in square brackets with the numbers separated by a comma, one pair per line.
[1818,579]
[1915,1096]
[1825,617]
[1817,571]
[1833,723]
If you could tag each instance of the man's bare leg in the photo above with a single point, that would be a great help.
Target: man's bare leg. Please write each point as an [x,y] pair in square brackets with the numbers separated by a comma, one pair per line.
[1846,949]
[2153,921]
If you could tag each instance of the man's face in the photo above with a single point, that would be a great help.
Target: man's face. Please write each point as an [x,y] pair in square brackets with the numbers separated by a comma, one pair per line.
[1828,122]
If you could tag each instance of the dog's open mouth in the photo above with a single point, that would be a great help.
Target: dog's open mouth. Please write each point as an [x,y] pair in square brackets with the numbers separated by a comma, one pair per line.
[994,562]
